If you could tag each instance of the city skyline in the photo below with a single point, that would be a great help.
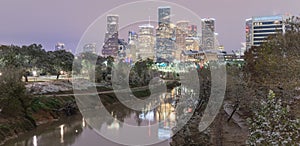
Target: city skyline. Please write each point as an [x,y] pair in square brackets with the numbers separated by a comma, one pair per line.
[48,23]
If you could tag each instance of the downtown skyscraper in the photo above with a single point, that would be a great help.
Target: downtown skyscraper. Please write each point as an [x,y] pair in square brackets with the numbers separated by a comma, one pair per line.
[111,45]
[146,42]
[208,33]
[165,35]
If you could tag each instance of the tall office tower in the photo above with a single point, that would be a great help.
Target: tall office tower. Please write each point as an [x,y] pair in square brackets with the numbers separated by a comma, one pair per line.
[59,46]
[182,31]
[91,48]
[132,46]
[165,36]
[248,33]
[208,33]
[263,27]
[112,26]
[146,42]
[111,45]
[164,15]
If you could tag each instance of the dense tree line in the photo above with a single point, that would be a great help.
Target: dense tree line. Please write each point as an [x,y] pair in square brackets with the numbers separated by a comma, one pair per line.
[273,66]
[35,58]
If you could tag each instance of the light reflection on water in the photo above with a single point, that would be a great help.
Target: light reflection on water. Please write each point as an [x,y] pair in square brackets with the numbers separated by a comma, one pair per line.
[75,131]
[34,141]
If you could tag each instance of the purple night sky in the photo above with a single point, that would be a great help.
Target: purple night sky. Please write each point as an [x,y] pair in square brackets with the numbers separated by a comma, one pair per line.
[47,22]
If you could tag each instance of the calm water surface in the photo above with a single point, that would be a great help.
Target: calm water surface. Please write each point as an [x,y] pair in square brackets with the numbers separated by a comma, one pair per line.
[74,131]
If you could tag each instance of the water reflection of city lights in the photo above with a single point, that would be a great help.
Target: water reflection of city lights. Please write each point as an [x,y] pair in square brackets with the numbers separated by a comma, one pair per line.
[150,116]
[61,133]
[83,123]
[114,125]
[172,116]
[34,141]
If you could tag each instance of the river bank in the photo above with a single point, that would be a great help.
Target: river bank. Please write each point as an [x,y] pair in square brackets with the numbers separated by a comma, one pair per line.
[45,109]
[41,111]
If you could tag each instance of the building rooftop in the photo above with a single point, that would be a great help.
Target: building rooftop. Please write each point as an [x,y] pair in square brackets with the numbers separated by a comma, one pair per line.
[146,26]
[265,18]
[190,52]
[249,19]
[112,15]
[162,7]
[208,19]
[182,21]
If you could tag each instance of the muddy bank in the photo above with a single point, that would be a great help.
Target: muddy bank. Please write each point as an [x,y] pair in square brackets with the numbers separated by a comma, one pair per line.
[42,110]
[46,109]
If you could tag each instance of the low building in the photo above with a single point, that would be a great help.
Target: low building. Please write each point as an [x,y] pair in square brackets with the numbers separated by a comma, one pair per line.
[192,56]
[260,28]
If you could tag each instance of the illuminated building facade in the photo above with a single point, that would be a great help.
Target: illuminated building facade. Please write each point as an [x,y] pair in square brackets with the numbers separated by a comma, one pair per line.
[258,29]
[59,46]
[132,46]
[192,43]
[165,36]
[193,32]
[112,26]
[111,45]
[208,33]
[146,42]
[182,31]
[91,48]
[122,51]
[248,33]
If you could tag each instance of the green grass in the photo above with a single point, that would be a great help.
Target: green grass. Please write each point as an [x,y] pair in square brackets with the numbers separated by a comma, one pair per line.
[102,88]
[143,93]
[48,103]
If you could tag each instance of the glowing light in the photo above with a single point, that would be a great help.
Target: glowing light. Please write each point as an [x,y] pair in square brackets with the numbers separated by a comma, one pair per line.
[172,117]
[150,116]
[190,110]
[34,73]
[83,122]
[61,133]
[34,141]
[114,125]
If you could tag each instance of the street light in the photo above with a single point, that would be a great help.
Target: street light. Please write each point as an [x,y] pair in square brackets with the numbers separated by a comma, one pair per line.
[34,73]
[0,73]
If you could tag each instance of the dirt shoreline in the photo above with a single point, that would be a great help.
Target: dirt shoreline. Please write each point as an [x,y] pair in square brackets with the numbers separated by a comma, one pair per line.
[16,126]
[12,127]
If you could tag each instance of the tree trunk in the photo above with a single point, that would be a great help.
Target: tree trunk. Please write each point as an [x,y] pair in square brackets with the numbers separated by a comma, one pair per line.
[234,110]
[26,78]
[57,77]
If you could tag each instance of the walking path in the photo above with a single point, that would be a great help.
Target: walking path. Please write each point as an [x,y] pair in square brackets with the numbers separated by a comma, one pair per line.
[101,92]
